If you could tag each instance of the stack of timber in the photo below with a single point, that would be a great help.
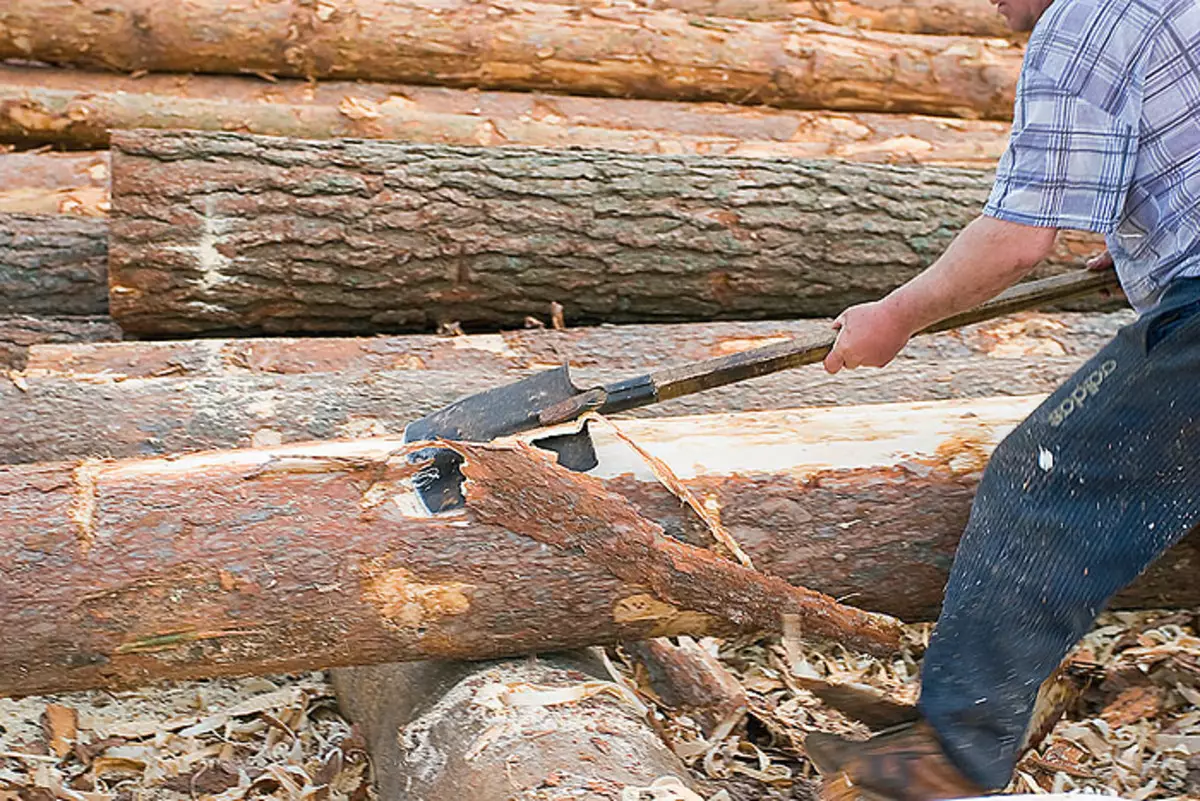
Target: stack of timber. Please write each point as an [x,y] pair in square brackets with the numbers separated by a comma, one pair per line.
[651,161]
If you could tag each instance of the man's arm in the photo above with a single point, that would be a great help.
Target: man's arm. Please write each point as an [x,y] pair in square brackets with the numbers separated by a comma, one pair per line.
[987,257]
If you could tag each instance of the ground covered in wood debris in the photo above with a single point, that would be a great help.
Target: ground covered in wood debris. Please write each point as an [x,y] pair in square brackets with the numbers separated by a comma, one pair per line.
[1134,732]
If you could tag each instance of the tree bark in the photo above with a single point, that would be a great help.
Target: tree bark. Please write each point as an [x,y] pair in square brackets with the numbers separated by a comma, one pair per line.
[195,395]
[222,231]
[53,264]
[946,17]
[19,334]
[306,556]
[54,183]
[443,730]
[78,109]
[618,52]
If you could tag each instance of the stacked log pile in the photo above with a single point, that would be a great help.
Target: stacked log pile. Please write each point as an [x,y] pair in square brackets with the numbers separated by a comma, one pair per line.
[692,170]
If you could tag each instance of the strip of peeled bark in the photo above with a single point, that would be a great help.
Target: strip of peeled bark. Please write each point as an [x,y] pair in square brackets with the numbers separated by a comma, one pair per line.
[304,556]
[53,264]
[618,52]
[19,334]
[78,109]
[690,681]
[459,730]
[214,394]
[522,488]
[228,231]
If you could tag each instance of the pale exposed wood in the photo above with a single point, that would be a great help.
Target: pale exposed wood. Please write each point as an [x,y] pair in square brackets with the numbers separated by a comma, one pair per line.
[218,232]
[305,556]
[78,109]
[616,51]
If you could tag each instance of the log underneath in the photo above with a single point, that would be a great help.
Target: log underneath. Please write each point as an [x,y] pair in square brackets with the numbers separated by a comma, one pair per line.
[457,730]
[305,556]
[217,232]
[53,264]
[19,334]
[618,51]
[78,109]
[195,395]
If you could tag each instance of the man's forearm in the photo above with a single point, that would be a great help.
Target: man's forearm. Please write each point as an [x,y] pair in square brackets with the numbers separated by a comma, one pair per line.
[987,257]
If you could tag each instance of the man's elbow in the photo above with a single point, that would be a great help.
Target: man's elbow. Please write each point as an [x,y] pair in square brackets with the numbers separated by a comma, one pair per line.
[1025,245]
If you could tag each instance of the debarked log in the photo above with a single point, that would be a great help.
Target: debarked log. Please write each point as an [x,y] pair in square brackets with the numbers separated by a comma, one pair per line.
[53,264]
[290,558]
[137,399]
[72,108]
[216,232]
[516,730]
[617,51]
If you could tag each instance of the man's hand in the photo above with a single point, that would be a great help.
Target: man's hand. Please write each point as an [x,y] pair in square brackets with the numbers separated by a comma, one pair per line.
[869,335]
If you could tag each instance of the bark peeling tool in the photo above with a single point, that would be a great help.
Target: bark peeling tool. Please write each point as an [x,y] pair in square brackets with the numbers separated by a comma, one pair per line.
[550,398]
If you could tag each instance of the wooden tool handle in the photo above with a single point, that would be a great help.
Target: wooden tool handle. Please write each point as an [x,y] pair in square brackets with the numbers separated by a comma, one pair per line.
[685,379]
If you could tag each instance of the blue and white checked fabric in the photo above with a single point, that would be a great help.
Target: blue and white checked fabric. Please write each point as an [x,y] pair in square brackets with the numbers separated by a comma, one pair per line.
[1106,135]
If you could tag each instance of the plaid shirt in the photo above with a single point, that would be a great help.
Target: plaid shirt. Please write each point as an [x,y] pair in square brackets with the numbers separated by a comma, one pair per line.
[1106,135]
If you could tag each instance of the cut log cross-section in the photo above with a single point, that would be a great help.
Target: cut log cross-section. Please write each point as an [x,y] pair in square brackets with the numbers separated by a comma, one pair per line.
[305,556]
[228,231]
[615,51]
[79,109]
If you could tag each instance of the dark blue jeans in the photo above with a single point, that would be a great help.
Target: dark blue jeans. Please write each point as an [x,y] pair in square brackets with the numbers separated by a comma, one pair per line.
[1074,504]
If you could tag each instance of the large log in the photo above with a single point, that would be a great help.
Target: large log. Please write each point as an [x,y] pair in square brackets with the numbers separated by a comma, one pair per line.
[287,559]
[225,231]
[167,397]
[53,264]
[19,333]
[458,730]
[78,109]
[618,51]
[973,17]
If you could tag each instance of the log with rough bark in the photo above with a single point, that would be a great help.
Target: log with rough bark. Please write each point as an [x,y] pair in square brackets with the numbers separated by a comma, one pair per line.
[78,109]
[286,559]
[19,333]
[216,232]
[458,730]
[618,51]
[193,395]
[53,264]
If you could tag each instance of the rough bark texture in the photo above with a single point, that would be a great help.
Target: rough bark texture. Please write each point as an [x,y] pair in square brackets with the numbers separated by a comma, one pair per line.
[19,334]
[457,730]
[620,52]
[629,347]
[53,264]
[277,561]
[214,394]
[78,109]
[690,681]
[523,488]
[226,231]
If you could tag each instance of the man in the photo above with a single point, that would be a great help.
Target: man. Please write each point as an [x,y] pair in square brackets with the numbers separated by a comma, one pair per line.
[1105,475]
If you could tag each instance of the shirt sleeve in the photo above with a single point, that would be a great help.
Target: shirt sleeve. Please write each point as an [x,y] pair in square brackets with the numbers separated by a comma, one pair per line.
[1069,163]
